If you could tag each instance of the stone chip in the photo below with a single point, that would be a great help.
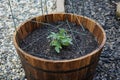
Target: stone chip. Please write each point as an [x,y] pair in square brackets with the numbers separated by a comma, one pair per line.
[118,10]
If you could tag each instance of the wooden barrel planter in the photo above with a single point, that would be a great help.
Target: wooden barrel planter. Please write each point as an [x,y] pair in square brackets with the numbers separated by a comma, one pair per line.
[82,68]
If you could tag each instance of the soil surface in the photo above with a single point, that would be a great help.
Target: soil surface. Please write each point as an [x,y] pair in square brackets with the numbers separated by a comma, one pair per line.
[37,43]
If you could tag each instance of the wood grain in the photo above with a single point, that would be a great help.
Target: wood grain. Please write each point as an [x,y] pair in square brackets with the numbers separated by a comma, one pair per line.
[81,68]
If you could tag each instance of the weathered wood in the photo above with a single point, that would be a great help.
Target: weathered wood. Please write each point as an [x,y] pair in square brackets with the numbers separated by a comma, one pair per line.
[81,68]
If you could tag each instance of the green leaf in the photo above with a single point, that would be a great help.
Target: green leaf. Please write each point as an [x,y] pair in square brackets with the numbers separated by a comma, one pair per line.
[64,40]
[60,39]
[52,35]
[57,49]
[54,43]
[62,32]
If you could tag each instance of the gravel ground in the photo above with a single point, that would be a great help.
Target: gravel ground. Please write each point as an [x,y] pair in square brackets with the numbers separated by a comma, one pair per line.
[102,11]
[10,66]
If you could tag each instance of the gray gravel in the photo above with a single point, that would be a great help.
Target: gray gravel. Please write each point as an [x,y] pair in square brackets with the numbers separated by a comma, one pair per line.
[103,11]
[10,65]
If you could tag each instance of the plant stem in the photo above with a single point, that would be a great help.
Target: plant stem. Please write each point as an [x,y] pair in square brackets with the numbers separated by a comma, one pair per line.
[46,7]
[74,37]
[12,14]
[42,7]
[76,16]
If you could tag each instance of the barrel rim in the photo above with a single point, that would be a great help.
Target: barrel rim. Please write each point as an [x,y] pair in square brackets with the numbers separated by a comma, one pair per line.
[61,61]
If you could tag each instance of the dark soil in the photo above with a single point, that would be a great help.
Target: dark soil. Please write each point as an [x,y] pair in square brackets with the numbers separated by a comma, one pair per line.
[37,44]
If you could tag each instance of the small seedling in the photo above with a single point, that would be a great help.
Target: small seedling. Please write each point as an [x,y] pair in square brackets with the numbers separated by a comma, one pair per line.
[60,39]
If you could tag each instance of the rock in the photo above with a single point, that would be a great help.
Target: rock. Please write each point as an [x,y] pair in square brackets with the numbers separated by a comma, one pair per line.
[33,11]
[118,10]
